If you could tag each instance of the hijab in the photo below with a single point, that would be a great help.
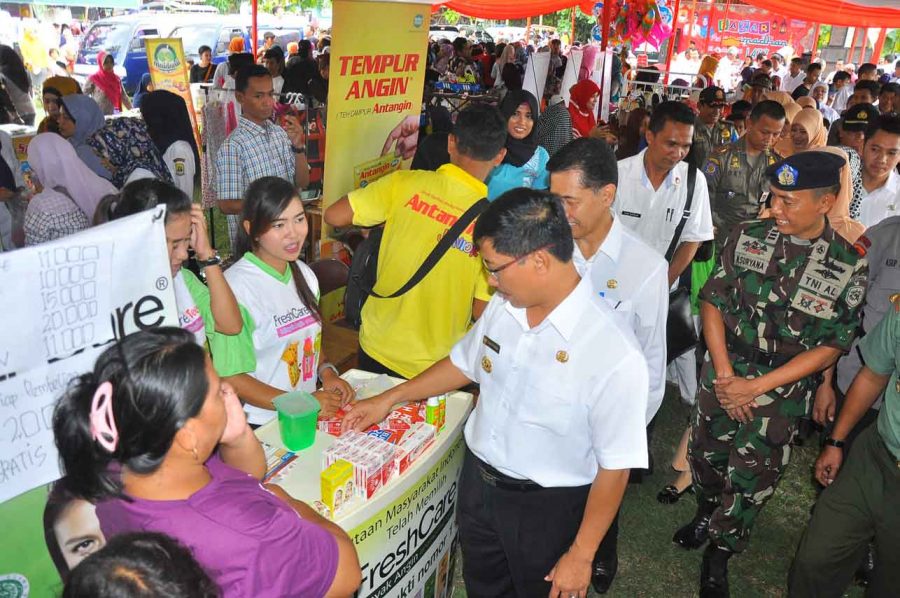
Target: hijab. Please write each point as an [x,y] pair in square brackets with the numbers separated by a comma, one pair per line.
[785,145]
[61,86]
[807,102]
[57,166]
[520,151]
[236,45]
[781,97]
[167,119]
[839,215]
[108,82]
[125,145]
[12,67]
[583,120]
[811,121]
[142,90]
[87,116]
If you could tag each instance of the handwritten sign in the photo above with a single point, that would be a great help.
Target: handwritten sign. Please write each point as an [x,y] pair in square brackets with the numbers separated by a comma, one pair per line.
[63,303]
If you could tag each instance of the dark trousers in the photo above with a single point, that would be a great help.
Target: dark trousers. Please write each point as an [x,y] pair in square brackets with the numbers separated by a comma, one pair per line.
[861,503]
[367,363]
[511,539]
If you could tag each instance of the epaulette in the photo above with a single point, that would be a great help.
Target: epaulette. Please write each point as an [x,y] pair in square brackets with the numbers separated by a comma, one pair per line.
[895,299]
[862,245]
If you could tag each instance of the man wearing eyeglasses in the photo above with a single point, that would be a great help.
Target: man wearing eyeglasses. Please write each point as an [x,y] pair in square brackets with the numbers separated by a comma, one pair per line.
[257,147]
[551,440]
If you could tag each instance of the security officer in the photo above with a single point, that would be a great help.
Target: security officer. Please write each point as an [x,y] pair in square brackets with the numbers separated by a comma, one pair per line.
[861,497]
[735,173]
[550,441]
[710,131]
[782,305]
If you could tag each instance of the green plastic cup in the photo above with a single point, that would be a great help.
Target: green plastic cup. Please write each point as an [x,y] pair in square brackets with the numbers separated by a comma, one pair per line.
[297,415]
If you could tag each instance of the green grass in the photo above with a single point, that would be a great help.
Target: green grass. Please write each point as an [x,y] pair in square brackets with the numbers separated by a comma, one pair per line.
[650,565]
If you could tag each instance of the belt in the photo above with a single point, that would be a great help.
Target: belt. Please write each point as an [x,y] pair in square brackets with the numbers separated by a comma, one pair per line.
[754,355]
[494,478]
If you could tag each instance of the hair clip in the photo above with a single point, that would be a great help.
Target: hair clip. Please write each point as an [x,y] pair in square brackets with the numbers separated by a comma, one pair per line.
[103,424]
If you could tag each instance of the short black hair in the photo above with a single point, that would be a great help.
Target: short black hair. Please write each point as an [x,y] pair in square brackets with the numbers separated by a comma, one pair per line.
[889,123]
[141,564]
[480,132]
[892,87]
[459,44]
[841,76]
[664,112]
[524,220]
[866,68]
[872,86]
[767,63]
[203,49]
[239,60]
[813,66]
[741,109]
[243,76]
[592,157]
[268,35]
[797,60]
[768,108]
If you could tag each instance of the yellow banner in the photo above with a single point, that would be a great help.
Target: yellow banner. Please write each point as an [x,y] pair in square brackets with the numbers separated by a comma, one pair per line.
[169,71]
[374,91]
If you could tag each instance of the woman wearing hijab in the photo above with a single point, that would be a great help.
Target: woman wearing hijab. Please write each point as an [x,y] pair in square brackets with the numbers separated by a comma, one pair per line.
[808,130]
[169,123]
[126,149]
[819,93]
[839,216]
[11,201]
[235,46]
[507,56]
[79,118]
[17,83]
[706,74]
[145,87]
[525,164]
[55,89]
[785,146]
[582,103]
[69,191]
[105,86]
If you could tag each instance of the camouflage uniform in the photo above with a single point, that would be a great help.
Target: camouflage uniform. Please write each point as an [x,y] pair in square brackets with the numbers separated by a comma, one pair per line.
[778,297]
[735,185]
[706,139]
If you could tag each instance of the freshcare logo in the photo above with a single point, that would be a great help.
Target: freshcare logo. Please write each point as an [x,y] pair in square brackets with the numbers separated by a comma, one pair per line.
[165,59]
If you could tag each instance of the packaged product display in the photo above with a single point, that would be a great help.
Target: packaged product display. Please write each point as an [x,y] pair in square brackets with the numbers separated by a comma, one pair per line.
[337,485]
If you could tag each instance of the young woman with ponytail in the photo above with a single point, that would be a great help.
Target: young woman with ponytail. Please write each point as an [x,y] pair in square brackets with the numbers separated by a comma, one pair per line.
[159,443]
[279,296]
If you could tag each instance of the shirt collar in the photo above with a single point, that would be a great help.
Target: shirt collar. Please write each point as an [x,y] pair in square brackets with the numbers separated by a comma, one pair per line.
[893,182]
[284,277]
[671,179]
[253,127]
[454,171]
[565,316]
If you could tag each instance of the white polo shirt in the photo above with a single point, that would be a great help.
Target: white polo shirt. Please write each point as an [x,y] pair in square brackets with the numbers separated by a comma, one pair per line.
[881,203]
[654,214]
[560,400]
[633,280]
[790,83]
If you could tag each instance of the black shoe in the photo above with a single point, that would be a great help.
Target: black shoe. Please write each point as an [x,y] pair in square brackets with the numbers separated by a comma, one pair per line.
[604,573]
[696,533]
[714,573]
[670,494]
[866,567]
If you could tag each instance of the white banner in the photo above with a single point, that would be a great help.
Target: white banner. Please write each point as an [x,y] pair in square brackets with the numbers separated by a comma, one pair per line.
[570,75]
[536,75]
[62,304]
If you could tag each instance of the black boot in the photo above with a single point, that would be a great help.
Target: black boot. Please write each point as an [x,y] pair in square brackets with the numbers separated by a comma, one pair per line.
[714,572]
[604,573]
[696,533]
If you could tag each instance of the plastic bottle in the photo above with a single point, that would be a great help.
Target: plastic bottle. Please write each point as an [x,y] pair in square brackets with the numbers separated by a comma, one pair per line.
[433,412]
[442,409]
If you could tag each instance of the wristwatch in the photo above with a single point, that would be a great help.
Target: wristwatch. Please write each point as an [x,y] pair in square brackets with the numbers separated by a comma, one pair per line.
[215,260]
[298,150]
[835,443]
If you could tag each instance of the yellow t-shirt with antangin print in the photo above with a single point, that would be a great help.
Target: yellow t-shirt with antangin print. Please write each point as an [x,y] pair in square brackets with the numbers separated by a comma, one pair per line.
[411,332]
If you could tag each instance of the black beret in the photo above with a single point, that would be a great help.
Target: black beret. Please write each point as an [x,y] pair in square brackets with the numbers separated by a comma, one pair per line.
[806,170]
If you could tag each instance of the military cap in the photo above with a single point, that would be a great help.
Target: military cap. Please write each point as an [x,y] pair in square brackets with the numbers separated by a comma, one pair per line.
[806,170]
[859,117]
[713,96]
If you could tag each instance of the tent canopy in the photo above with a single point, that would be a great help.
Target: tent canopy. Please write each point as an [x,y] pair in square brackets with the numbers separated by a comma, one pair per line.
[855,13]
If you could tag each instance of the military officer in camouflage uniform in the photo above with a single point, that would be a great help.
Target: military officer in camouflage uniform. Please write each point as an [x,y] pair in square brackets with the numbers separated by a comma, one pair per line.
[735,173]
[710,131]
[782,305]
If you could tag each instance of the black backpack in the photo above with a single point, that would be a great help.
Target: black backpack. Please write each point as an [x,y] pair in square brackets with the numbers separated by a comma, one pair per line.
[364,266]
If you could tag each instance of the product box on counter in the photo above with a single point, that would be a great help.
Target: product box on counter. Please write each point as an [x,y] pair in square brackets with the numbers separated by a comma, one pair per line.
[372,459]
[414,443]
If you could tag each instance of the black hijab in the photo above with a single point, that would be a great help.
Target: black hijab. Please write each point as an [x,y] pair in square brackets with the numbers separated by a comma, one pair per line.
[167,119]
[519,151]
[13,68]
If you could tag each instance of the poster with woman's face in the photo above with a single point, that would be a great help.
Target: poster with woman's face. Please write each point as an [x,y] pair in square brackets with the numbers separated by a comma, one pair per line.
[71,528]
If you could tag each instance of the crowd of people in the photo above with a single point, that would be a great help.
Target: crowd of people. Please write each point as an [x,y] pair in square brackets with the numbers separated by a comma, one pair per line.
[772,220]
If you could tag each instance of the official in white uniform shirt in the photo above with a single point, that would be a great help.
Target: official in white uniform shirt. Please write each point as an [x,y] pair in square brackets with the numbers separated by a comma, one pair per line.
[881,183]
[561,415]
[626,272]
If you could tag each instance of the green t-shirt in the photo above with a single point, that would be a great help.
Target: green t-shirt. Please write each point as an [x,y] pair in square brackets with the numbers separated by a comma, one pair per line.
[881,353]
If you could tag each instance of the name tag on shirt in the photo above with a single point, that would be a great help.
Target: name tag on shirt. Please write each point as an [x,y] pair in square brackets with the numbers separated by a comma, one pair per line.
[491,344]
[632,214]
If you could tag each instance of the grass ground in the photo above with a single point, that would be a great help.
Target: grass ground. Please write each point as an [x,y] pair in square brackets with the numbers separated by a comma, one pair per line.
[651,566]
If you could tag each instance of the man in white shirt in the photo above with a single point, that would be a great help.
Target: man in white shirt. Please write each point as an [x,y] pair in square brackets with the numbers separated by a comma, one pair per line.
[843,89]
[778,68]
[651,199]
[627,273]
[794,77]
[550,441]
[881,183]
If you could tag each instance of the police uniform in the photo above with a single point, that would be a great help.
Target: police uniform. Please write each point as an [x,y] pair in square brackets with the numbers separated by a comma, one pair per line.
[863,499]
[736,185]
[778,296]
[707,138]
[549,415]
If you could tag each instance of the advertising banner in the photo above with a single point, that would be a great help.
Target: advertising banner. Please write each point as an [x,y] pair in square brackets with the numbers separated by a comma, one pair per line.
[406,549]
[63,303]
[374,95]
[169,71]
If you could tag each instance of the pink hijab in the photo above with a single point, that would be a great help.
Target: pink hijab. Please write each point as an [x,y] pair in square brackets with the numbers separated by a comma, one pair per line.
[56,164]
[109,83]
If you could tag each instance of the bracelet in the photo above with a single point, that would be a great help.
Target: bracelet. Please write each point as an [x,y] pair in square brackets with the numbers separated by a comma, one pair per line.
[833,442]
[327,366]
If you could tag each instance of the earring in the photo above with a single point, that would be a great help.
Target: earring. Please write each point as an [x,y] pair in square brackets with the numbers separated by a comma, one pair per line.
[194,452]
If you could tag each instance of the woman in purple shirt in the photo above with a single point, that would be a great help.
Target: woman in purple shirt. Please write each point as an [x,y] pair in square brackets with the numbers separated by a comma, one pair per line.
[160,444]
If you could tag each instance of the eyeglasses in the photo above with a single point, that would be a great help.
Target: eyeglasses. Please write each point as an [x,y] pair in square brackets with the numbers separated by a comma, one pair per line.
[495,272]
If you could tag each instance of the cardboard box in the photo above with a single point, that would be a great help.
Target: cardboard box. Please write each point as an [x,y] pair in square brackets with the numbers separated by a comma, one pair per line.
[338,486]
